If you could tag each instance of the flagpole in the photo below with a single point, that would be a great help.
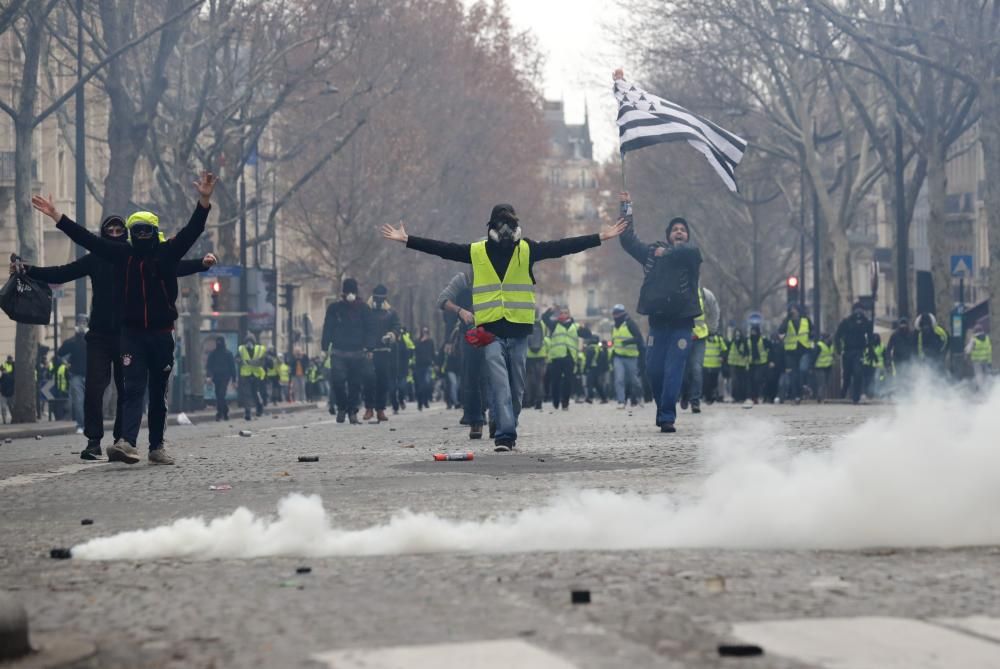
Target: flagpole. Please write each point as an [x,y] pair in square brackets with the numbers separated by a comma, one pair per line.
[622,155]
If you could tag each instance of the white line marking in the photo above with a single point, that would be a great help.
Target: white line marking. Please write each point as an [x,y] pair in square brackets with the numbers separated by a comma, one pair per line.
[502,654]
[35,477]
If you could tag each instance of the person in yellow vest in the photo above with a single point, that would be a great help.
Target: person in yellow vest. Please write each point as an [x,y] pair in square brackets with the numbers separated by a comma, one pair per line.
[798,344]
[932,342]
[537,358]
[758,347]
[694,371]
[715,355]
[284,379]
[627,345]
[503,301]
[250,359]
[852,340]
[6,387]
[273,386]
[874,366]
[822,366]
[980,353]
[564,336]
[739,367]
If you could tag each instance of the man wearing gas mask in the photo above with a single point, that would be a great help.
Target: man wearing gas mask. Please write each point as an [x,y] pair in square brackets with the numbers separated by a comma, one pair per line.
[503,300]
[148,266]
[349,340]
[385,323]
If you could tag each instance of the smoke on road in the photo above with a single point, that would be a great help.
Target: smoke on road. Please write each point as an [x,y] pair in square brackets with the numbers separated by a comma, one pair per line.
[926,474]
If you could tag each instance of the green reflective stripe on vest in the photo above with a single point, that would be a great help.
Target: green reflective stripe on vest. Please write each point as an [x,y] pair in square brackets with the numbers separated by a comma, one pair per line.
[563,341]
[512,299]
[715,346]
[793,338]
[761,352]
[737,359]
[618,337]
[825,358]
[982,350]
[284,373]
[700,330]
[251,363]
[878,352]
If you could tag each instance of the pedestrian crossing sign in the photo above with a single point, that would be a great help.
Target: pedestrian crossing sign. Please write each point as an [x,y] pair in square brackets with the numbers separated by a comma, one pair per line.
[961,266]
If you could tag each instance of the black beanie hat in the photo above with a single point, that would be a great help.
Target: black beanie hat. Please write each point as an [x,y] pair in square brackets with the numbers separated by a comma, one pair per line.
[503,212]
[349,286]
[380,291]
[108,220]
[678,221]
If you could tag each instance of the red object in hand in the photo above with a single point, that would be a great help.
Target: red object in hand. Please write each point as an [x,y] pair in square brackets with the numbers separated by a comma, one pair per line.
[479,337]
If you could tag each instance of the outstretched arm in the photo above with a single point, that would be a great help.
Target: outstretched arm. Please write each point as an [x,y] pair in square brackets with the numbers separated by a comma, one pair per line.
[77,269]
[193,266]
[188,235]
[104,248]
[570,245]
[446,250]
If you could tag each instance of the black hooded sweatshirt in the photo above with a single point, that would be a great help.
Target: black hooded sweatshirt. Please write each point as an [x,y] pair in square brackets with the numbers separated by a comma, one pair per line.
[149,276]
[106,292]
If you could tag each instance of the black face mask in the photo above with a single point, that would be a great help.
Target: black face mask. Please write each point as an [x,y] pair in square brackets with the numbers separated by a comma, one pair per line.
[378,302]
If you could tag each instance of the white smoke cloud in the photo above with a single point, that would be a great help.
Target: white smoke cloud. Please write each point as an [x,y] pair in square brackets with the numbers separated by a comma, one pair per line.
[925,474]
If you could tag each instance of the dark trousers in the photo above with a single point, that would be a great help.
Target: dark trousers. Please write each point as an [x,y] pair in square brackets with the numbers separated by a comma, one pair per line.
[534,383]
[348,374]
[596,384]
[103,363]
[562,371]
[221,385]
[424,381]
[473,385]
[710,391]
[758,380]
[148,359]
[383,378]
[853,368]
[741,383]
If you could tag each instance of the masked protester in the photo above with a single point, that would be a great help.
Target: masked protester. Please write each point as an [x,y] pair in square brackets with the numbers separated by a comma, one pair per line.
[503,301]
[385,325]
[669,296]
[851,340]
[133,272]
[980,353]
[798,343]
[564,348]
[221,368]
[250,357]
[102,361]
[349,339]
[901,349]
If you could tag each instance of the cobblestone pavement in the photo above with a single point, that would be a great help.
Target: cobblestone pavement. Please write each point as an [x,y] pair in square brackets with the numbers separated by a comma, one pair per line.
[662,608]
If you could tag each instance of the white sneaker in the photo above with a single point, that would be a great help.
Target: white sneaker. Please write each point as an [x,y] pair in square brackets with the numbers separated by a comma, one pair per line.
[79,430]
[621,405]
[748,404]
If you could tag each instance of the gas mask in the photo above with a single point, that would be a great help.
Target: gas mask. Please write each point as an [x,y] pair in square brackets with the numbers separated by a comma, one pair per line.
[506,232]
[350,297]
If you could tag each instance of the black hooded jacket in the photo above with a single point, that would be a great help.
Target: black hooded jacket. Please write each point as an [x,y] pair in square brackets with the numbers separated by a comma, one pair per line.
[149,277]
[106,292]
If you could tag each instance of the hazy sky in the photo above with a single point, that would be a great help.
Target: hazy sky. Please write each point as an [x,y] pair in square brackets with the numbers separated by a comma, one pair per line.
[577,39]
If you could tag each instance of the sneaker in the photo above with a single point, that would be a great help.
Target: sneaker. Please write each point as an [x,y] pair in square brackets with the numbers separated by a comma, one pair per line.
[621,405]
[369,414]
[565,408]
[122,451]
[353,418]
[332,411]
[381,417]
[476,431]
[341,416]
[502,445]
[158,456]
[246,414]
[79,430]
[684,404]
[696,407]
[667,427]
[93,450]
[748,404]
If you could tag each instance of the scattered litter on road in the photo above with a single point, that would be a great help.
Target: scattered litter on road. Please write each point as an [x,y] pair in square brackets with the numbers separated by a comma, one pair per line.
[408,446]
[460,455]
[182,419]
[392,429]
[716,584]
[74,452]
[8,441]
[444,428]
[220,486]
[87,521]
[246,433]
[304,570]
[541,459]
[60,554]
[740,650]
[38,437]
[291,584]
[580,596]
[308,458]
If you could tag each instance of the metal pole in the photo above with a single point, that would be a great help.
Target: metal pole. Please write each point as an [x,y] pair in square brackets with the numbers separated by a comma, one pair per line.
[81,158]
[817,263]
[244,298]
[289,303]
[902,227]
[256,208]
[274,264]
[802,241]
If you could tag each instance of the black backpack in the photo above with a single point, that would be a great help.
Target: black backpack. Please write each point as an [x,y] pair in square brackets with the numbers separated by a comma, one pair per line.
[26,300]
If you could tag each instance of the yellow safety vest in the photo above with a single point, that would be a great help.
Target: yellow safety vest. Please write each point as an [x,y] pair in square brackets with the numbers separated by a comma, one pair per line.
[273,371]
[715,347]
[941,335]
[251,364]
[737,359]
[700,330]
[62,382]
[619,347]
[761,351]
[825,358]
[982,350]
[512,299]
[284,372]
[564,341]
[8,367]
[879,362]
[542,353]
[793,339]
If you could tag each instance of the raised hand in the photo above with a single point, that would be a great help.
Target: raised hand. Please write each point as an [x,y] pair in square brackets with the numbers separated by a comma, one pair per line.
[395,234]
[618,74]
[612,231]
[209,260]
[205,185]
[46,206]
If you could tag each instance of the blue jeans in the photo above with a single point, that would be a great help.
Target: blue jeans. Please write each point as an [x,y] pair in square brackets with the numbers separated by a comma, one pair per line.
[452,388]
[668,356]
[627,377]
[76,393]
[693,372]
[505,362]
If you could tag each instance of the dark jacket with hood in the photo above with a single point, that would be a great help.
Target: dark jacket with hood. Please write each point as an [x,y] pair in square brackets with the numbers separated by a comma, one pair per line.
[669,294]
[221,365]
[107,292]
[349,327]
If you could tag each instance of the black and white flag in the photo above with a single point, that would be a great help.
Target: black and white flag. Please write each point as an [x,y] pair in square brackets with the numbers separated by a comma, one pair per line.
[645,119]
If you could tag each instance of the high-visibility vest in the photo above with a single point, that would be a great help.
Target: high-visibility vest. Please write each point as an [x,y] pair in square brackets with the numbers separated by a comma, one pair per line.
[618,345]
[512,299]
[982,350]
[737,360]
[825,358]
[715,347]
[313,374]
[761,351]
[564,340]
[251,364]
[941,335]
[272,372]
[62,381]
[793,338]
[877,359]
[542,353]
[8,367]
[284,372]
[408,341]
[700,330]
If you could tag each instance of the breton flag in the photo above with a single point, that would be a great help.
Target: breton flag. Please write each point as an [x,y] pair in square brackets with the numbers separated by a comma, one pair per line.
[645,119]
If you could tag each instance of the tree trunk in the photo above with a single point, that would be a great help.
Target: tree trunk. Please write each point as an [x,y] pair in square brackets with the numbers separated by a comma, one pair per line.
[836,297]
[192,341]
[26,337]
[937,190]
[989,137]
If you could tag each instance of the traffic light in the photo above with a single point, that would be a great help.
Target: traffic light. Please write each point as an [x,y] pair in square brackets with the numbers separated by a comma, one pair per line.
[216,291]
[792,289]
[271,286]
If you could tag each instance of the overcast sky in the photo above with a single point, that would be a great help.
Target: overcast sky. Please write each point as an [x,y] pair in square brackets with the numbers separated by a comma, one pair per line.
[576,38]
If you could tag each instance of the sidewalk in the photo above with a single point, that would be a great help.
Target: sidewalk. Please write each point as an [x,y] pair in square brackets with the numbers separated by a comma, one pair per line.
[59,427]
